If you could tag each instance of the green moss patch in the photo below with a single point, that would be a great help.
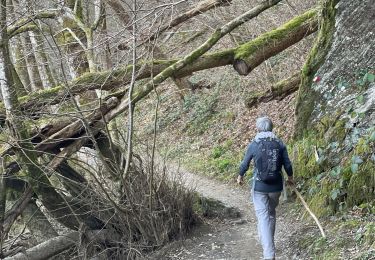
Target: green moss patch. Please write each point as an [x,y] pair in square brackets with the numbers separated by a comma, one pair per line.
[246,49]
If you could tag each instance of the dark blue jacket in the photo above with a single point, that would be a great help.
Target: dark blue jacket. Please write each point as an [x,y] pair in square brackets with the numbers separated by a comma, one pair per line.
[260,186]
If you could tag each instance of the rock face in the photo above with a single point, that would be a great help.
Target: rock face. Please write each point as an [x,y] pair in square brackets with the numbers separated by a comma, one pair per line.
[335,153]
[341,81]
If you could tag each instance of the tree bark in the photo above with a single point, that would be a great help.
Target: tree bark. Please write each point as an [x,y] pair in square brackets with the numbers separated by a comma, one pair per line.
[112,155]
[42,59]
[32,65]
[75,128]
[306,95]
[36,82]
[21,67]
[39,62]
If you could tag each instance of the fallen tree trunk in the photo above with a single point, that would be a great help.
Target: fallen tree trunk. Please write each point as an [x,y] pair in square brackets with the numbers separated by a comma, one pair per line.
[304,21]
[59,244]
[50,136]
[278,91]
[48,248]
[76,127]
[250,55]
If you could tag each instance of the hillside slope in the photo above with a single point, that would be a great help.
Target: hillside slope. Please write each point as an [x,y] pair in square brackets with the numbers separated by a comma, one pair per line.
[333,152]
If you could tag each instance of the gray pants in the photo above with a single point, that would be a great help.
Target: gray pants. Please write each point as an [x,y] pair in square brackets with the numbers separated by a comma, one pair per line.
[265,208]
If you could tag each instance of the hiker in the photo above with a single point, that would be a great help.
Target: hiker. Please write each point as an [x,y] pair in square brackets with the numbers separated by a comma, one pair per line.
[269,154]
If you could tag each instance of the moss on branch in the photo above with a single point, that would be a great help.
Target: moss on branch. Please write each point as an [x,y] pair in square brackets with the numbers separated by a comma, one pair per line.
[28,23]
[114,79]
[249,55]
[272,37]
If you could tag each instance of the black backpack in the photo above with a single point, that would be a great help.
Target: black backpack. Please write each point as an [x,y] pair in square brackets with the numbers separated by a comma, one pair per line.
[268,160]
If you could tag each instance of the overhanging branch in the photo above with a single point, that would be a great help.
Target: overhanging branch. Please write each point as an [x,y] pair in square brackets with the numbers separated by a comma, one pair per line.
[27,23]
[251,52]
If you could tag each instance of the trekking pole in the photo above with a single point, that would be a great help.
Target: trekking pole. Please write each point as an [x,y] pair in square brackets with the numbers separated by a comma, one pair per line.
[308,210]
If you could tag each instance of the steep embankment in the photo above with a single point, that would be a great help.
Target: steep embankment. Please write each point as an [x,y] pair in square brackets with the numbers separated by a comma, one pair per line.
[334,154]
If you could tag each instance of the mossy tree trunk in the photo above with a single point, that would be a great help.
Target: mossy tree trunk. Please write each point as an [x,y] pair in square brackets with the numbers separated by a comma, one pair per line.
[250,55]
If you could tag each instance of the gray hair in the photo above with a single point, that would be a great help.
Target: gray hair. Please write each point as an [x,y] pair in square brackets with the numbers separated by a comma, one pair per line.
[264,124]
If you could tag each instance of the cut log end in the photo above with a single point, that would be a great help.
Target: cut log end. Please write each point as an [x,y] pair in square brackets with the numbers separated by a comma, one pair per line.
[241,67]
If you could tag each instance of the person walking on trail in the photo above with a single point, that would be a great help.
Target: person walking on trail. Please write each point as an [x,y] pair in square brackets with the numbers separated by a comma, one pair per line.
[269,155]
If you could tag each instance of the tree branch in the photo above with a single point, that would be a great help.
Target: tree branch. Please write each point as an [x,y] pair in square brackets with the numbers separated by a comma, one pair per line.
[99,18]
[200,8]
[17,208]
[84,47]
[252,51]
[251,54]
[28,21]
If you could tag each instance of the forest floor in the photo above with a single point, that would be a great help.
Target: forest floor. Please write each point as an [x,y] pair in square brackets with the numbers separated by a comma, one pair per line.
[230,237]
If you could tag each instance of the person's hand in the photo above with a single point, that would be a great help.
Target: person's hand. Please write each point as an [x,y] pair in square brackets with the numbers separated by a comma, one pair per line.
[240,179]
[290,181]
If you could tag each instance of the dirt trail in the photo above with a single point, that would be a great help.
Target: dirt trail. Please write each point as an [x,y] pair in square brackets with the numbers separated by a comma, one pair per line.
[226,239]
